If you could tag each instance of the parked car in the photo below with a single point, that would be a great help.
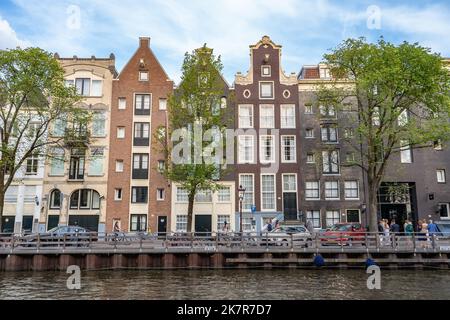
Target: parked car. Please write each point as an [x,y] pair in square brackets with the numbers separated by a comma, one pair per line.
[343,234]
[71,234]
[283,235]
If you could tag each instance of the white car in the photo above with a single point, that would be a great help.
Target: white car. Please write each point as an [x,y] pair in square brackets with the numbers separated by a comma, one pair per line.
[283,235]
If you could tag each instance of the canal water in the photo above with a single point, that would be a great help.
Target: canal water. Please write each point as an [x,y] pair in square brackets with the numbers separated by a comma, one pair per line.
[227,284]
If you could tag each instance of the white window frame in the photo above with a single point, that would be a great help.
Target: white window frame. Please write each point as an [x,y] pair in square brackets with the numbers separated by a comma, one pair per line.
[310,217]
[122,103]
[313,158]
[283,146]
[266,67]
[284,123]
[318,189]
[246,192]
[119,131]
[262,145]
[448,210]
[309,109]
[441,173]
[405,152]
[335,182]
[309,130]
[179,222]
[220,196]
[251,116]
[179,194]
[241,145]
[345,190]
[162,104]
[274,192]
[282,182]
[116,194]
[158,198]
[333,218]
[117,165]
[150,102]
[260,84]
[146,78]
[262,123]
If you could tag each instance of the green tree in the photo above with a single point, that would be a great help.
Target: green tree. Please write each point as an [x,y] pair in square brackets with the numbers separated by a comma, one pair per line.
[401,97]
[32,95]
[194,110]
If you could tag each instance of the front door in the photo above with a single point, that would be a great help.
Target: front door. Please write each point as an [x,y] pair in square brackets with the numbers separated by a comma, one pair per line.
[203,224]
[290,205]
[162,225]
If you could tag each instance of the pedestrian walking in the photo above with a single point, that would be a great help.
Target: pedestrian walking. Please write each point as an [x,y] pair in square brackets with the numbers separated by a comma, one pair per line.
[432,228]
[386,233]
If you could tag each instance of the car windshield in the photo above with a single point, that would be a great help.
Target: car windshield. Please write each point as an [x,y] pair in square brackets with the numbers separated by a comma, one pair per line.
[340,227]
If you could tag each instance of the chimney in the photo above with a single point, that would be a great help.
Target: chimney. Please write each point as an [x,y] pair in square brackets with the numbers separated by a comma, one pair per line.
[144,42]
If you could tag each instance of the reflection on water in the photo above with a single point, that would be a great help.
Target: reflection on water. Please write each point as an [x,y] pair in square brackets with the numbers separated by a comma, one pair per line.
[227,284]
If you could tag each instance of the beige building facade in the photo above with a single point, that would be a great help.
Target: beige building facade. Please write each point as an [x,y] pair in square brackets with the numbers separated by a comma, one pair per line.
[75,176]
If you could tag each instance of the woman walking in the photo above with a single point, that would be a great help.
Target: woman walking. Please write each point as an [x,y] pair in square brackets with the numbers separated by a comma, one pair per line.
[386,232]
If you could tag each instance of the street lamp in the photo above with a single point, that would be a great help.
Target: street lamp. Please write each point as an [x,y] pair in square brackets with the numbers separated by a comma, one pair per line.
[241,192]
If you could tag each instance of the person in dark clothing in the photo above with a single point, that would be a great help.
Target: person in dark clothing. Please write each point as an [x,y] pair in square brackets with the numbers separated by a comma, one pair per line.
[395,228]
[381,227]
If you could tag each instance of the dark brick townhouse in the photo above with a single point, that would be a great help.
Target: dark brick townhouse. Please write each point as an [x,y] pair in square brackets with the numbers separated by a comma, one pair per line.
[338,193]
[268,149]
[139,197]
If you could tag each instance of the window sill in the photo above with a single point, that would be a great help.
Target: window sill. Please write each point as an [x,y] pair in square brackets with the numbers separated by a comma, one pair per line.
[352,199]
[291,161]
[311,199]
[332,199]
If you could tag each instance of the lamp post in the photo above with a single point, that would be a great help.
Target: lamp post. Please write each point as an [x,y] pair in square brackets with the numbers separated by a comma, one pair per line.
[241,192]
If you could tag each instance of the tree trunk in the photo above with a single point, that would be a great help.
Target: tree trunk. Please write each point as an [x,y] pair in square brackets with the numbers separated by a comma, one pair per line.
[373,207]
[190,212]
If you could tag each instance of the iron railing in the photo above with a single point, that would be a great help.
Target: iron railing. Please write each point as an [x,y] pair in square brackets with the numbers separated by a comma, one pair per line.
[225,241]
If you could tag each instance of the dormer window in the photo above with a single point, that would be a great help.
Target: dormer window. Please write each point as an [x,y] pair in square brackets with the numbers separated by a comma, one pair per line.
[324,73]
[266,71]
[143,75]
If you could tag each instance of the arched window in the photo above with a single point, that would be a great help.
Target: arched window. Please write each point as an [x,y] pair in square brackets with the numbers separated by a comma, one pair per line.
[55,199]
[86,199]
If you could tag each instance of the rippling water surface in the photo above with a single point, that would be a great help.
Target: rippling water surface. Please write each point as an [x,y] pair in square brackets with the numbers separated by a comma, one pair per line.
[227,284]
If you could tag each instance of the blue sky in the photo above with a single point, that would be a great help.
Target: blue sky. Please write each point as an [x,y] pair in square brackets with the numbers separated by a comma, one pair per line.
[306,29]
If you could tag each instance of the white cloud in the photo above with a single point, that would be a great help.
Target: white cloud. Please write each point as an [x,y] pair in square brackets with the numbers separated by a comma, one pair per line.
[8,37]
[305,28]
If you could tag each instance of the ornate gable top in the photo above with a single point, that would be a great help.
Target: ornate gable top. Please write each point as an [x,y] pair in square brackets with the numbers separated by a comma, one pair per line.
[265,41]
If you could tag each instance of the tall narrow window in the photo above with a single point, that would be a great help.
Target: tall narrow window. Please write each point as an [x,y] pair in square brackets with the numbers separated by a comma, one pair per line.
[32,164]
[122,103]
[96,162]
[162,104]
[141,134]
[83,86]
[98,124]
[441,178]
[247,182]
[405,152]
[57,162]
[268,192]
[267,149]
[246,149]
[330,161]
[97,88]
[140,166]
[266,116]
[139,194]
[288,147]
[77,160]
[287,116]
[245,116]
